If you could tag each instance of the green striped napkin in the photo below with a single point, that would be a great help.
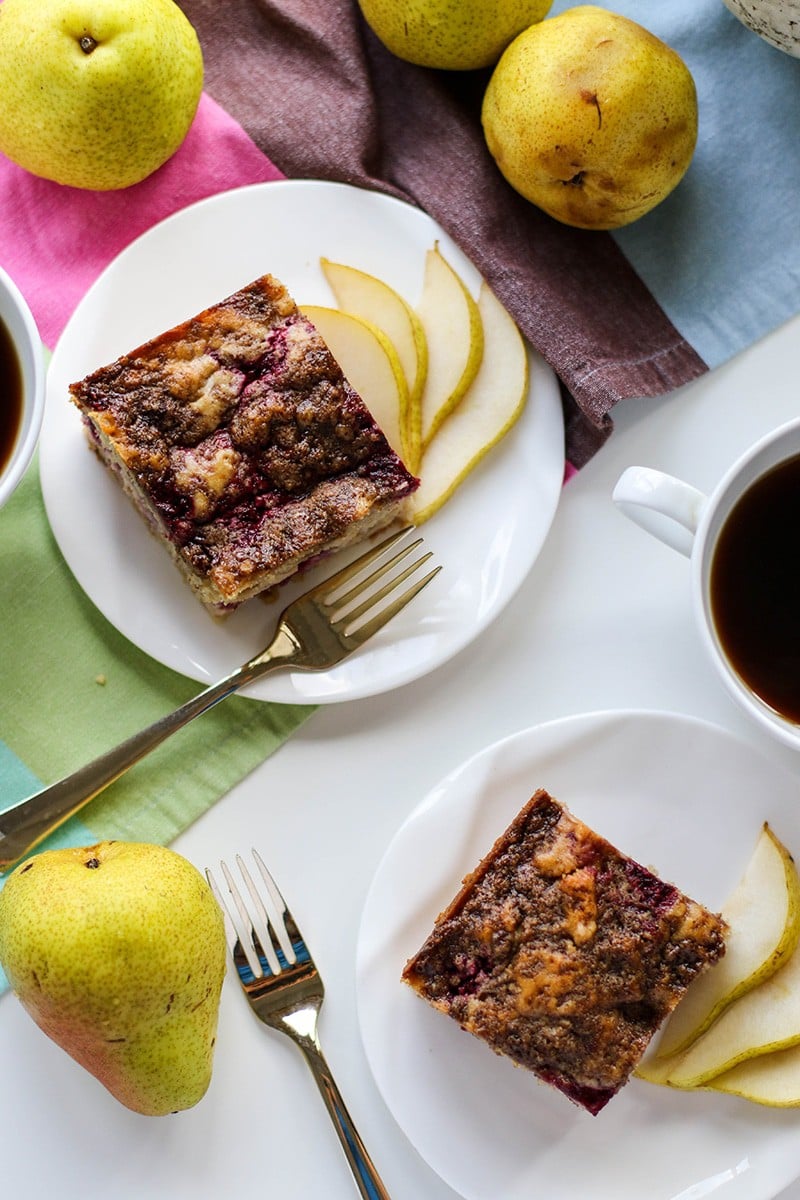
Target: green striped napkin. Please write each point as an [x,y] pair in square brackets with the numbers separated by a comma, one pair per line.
[71,686]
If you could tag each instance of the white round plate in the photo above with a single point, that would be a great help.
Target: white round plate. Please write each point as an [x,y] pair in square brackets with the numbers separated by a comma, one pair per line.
[675,793]
[486,537]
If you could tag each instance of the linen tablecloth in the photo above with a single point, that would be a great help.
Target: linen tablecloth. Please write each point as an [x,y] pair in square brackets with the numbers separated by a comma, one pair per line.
[303,89]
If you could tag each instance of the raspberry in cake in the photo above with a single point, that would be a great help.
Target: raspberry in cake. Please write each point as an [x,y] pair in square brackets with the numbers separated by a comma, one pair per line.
[243,445]
[564,954]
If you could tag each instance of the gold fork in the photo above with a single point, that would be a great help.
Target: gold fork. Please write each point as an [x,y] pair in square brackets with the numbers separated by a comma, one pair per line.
[285,991]
[316,631]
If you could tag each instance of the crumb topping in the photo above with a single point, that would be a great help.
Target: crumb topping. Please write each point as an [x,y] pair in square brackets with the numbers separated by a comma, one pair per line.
[244,434]
[565,954]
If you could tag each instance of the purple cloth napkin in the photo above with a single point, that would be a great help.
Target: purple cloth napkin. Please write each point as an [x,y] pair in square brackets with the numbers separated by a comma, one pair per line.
[318,93]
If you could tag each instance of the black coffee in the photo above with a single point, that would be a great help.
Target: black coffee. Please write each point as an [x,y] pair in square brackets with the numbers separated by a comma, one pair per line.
[10,396]
[755,588]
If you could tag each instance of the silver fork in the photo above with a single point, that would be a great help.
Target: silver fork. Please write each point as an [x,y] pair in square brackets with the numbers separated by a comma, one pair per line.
[316,631]
[285,991]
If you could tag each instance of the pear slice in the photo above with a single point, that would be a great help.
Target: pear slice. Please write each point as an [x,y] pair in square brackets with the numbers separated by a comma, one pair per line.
[657,1070]
[370,362]
[771,1079]
[454,333]
[363,295]
[487,411]
[763,916]
[764,1019]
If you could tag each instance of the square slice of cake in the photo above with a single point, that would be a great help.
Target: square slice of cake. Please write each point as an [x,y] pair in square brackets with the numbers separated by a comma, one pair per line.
[243,445]
[564,954]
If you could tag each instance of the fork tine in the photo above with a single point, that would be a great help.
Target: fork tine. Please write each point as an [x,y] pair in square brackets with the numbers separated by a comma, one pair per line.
[362,632]
[372,598]
[354,568]
[231,932]
[286,922]
[363,585]
[274,930]
[256,936]
[237,928]
[251,933]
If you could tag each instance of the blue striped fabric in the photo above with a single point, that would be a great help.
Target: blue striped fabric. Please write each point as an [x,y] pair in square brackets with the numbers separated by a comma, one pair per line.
[721,254]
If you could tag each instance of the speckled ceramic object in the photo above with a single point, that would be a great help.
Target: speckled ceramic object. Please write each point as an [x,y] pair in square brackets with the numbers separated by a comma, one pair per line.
[777,21]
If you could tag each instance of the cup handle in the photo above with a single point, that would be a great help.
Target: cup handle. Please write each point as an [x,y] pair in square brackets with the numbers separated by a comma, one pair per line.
[662,505]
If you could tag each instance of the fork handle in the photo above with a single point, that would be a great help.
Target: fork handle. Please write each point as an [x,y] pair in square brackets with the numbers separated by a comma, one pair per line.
[367,1179]
[27,823]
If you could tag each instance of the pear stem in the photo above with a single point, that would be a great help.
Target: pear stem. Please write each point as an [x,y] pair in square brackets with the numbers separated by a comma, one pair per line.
[87,44]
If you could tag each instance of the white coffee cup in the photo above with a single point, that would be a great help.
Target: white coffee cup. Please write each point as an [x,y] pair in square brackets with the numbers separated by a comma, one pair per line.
[18,320]
[690,521]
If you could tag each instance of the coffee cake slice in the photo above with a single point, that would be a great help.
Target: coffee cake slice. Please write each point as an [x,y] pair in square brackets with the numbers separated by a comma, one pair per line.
[243,445]
[564,954]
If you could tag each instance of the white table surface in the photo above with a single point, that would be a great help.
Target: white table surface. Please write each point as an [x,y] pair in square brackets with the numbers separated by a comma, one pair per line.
[602,622]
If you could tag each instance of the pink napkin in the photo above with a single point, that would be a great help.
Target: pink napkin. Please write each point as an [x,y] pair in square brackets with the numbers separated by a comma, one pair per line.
[56,240]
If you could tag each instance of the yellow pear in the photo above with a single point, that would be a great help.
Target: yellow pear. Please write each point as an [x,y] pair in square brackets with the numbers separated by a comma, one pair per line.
[96,93]
[117,951]
[454,333]
[363,295]
[763,916]
[591,117]
[455,35]
[371,364]
[489,408]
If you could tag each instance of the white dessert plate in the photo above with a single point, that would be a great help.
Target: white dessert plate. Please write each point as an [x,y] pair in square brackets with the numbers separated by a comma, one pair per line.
[486,537]
[675,793]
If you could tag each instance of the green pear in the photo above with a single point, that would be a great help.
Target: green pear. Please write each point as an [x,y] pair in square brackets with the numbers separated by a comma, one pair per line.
[96,93]
[117,951]
[453,35]
[763,916]
[591,117]
[490,406]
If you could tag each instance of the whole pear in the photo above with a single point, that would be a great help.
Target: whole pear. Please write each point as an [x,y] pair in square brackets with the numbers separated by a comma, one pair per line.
[453,35]
[96,93]
[118,951]
[591,117]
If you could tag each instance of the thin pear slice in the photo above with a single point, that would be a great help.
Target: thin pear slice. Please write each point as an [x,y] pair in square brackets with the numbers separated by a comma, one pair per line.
[370,363]
[657,1070]
[764,1019]
[771,1079]
[487,411]
[454,333]
[363,295]
[763,915]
